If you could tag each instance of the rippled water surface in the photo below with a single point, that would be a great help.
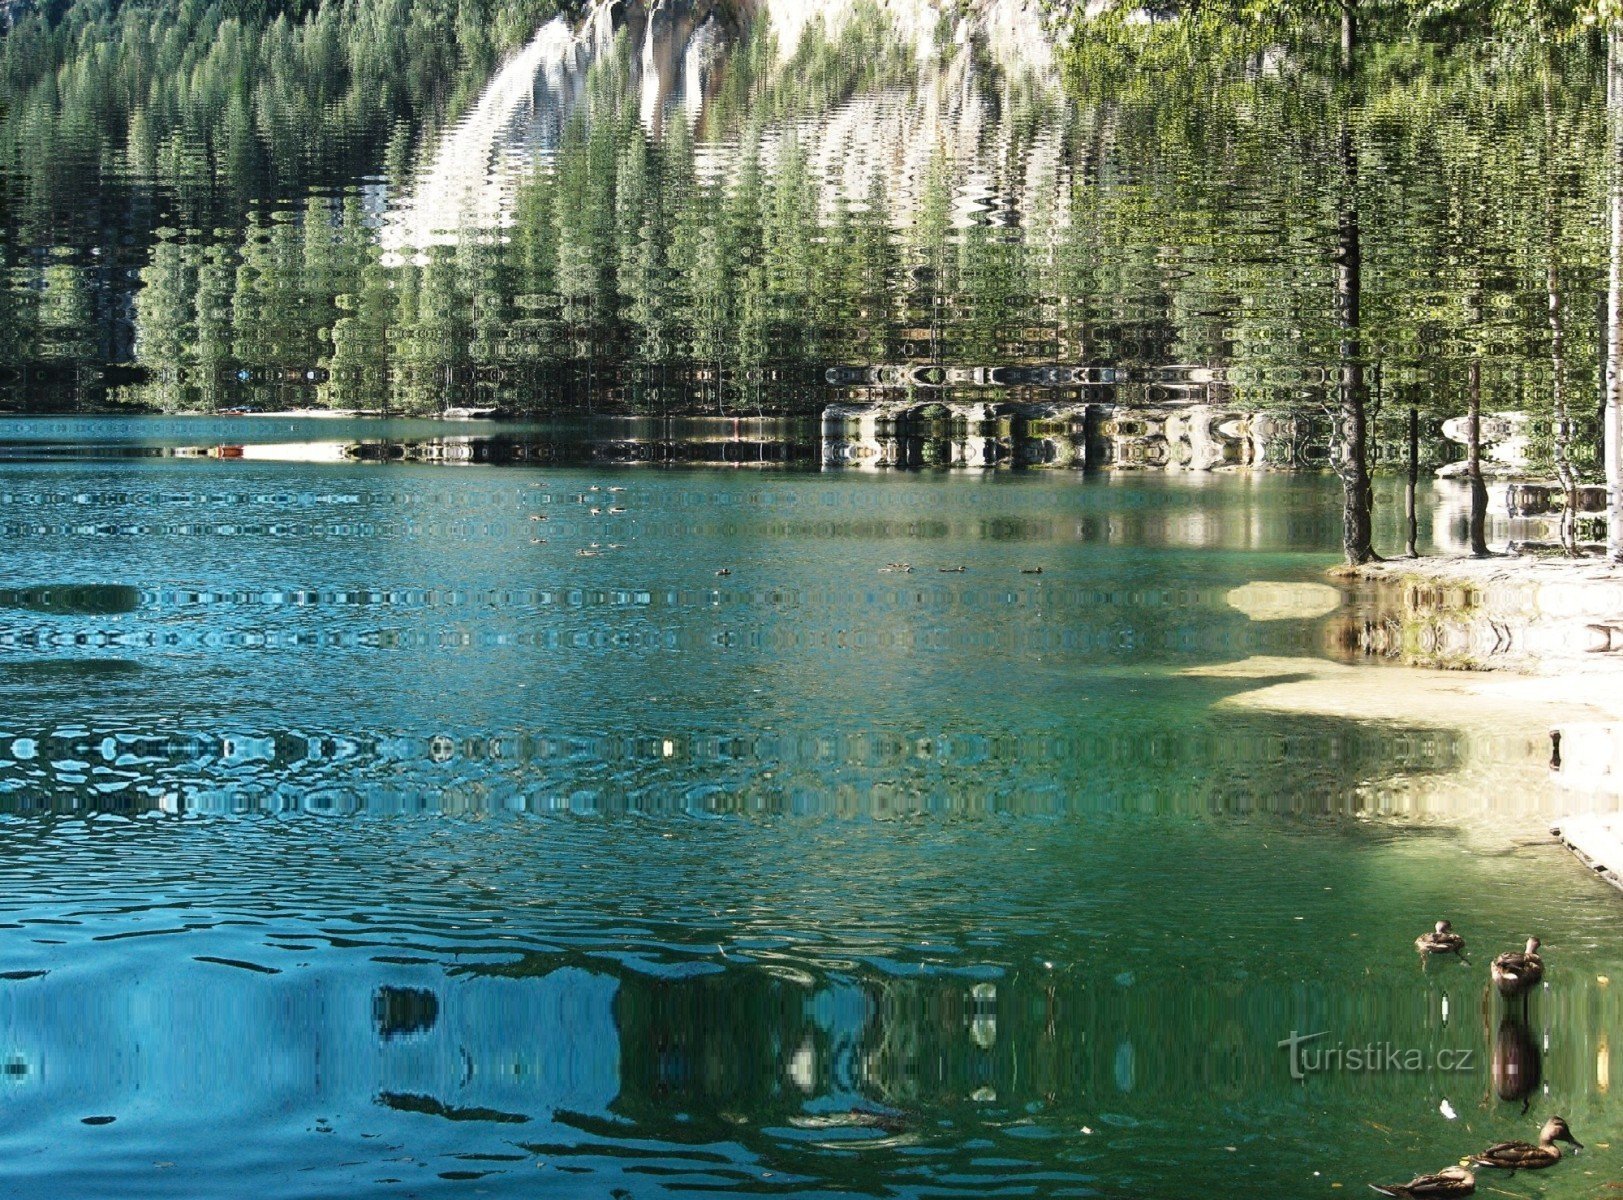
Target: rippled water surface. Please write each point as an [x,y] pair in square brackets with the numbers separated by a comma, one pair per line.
[361,836]
[405,807]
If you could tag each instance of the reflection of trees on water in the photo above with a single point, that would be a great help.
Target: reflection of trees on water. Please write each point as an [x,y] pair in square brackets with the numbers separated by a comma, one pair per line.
[772,1040]
[778,1057]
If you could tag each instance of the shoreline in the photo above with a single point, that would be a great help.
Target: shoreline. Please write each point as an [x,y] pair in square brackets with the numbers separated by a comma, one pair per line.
[1533,641]
[1545,625]
[1519,657]
[1501,720]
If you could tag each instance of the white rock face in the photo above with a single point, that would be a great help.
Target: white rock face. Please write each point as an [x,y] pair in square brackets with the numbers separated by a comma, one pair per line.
[952,111]
[468,182]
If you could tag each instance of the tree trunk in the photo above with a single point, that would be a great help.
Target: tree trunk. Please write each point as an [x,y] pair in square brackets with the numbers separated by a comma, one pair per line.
[1613,424]
[1561,426]
[1473,462]
[1349,33]
[1410,517]
[1352,416]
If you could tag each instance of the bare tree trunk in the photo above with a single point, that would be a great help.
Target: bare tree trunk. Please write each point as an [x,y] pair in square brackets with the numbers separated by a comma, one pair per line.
[1562,431]
[1473,462]
[1352,416]
[1349,33]
[1562,426]
[1410,517]
[1613,424]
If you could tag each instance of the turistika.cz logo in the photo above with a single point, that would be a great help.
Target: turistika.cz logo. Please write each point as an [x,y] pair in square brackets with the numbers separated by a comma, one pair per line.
[1309,1056]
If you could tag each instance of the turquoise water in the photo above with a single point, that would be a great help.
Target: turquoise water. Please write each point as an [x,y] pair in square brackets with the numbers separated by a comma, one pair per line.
[354,841]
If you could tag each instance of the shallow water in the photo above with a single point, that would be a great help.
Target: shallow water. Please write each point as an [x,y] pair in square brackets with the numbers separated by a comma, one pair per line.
[354,841]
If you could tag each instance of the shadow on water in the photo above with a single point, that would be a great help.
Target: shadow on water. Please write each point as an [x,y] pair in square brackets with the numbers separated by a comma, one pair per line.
[77,599]
[68,671]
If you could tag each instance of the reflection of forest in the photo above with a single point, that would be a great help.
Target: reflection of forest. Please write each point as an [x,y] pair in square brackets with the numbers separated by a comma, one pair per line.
[782,1056]
[1158,234]
[774,1041]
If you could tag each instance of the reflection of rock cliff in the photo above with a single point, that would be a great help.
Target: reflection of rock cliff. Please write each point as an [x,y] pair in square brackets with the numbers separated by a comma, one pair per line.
[968,58]
[985,434]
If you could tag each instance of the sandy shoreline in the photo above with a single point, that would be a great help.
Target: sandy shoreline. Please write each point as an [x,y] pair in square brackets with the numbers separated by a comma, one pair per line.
[1520,658]
[1501,720]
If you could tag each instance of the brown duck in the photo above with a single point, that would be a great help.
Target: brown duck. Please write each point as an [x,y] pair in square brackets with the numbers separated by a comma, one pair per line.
[1524,1156]
[1518,972]
[1450,1181]
[1441,940]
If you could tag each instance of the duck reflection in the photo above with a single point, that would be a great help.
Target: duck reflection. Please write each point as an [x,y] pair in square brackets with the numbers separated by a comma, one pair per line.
[404,1011]
[1518,1062]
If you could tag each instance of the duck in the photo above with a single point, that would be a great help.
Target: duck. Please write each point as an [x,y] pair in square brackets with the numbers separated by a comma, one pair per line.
[1441,940]
[1518,972]
[952,570]
[724,572]
[1525,1156]
[1450,1181]
[615,508]
[1031,570]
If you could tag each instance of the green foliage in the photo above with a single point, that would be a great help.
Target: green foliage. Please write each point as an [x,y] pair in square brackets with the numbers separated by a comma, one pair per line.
[822,73]
[1186,216]
[205,95]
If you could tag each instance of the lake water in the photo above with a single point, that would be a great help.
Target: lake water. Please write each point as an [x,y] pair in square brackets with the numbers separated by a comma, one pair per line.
[405,807]
[355,841]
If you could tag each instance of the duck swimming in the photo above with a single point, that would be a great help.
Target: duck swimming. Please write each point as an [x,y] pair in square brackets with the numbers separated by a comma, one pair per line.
[1450,1181]
[1031,570]
[1518,972]
[1441,940]
[1524,1156]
